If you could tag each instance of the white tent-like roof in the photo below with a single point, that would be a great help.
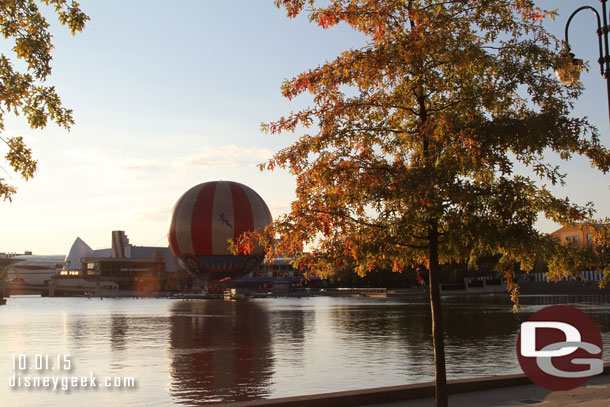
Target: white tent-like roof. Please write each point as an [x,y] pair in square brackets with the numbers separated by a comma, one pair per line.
[79,250]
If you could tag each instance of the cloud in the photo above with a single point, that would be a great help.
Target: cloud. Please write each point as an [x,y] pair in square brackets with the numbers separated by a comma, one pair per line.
[227,156]
[218,157]
[117,162]
[135,168]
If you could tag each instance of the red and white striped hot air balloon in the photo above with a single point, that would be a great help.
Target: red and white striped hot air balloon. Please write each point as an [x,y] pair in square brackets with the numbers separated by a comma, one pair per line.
[203,221]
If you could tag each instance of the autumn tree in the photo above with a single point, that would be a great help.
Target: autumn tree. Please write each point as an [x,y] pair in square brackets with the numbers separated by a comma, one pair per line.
[415,137]
[23,24]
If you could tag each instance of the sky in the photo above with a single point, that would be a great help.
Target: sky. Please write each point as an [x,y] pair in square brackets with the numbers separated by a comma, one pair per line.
[167,95]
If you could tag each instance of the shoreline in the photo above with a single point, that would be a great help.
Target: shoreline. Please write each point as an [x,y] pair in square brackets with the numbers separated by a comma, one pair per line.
[341,293]
[410,392]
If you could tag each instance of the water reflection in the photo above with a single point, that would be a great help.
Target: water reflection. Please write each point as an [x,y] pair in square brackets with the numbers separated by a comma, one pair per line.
[118,332]
[192,352]
[289,328]
[480,333]
[219,351]
[596,306]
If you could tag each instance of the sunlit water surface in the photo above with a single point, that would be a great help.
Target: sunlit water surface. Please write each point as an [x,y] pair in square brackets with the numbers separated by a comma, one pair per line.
[193,352]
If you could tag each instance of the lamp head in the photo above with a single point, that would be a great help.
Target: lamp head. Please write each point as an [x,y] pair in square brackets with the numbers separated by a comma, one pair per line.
[569,71]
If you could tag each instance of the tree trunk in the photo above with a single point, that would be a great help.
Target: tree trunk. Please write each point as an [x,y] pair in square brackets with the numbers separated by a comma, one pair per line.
[440,375]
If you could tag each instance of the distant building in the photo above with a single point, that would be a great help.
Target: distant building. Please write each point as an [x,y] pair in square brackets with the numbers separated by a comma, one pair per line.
[28,268]
[578,234]
[124,266]
[278,275]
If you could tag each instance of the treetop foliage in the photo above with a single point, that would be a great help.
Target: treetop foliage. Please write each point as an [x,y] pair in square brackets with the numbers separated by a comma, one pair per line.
[22,93]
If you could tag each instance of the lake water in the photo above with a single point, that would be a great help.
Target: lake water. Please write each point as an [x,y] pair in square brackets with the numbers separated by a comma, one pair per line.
[192,352]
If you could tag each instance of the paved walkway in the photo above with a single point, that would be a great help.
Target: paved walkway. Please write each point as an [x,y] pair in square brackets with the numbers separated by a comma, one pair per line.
[595,393]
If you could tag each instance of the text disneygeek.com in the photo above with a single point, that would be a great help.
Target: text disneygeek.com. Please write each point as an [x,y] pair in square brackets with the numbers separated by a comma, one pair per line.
[25,365]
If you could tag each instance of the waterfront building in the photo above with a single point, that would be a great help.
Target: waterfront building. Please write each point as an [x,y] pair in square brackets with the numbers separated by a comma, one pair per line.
[276,276]
[578,234]
[122,266]
[27,268]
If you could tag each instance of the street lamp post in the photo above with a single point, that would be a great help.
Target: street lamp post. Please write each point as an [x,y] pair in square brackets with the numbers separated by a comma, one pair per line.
[570,73]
